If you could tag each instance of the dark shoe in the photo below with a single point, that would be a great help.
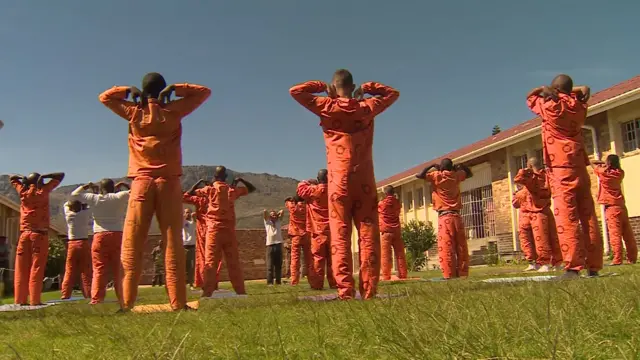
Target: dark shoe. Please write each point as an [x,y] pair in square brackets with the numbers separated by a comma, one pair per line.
[593,273]
[569,275]
[122,311]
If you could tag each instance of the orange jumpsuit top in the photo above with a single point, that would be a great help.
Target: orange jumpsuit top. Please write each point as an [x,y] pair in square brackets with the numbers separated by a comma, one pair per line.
[317,199]
[536,184]
[200,202]
[446,189]
[220,210]
[155,130]
[297,218]
[562,121]
[389,213]
[34,205]
[610,190]
[522,200]
[347,123]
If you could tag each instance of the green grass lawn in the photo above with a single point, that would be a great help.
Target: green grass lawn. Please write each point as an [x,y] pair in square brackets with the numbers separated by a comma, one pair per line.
[460,319]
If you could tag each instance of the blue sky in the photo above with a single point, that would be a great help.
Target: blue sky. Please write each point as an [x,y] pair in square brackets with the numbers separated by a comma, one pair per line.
[461,67]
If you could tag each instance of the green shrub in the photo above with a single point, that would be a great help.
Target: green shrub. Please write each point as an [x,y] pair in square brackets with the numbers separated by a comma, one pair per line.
[418,237]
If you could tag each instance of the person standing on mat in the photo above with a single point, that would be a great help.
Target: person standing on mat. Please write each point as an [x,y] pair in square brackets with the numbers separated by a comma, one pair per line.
[300,241]
[273,228]
[521,201]
[189,243]
[108,205]
[610,195]
[391,234]
[200,203]
[78,260]
[33,245]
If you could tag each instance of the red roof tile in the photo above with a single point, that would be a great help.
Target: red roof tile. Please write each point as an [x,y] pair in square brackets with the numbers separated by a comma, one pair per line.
[606,94]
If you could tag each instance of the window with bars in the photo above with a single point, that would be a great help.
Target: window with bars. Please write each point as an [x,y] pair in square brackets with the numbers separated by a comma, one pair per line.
[409,200]
[420,197]
[631,135]
[521,161]
[478,212]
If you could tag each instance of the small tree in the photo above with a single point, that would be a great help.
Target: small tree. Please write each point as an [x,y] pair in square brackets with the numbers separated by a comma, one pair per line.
[418,237]
[57,257]
[496,130]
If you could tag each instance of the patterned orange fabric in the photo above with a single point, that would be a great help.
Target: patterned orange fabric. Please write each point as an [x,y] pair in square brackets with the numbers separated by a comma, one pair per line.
[78,263]
[220,210]
[610,190]
[321,263]
[453,251]
[562,121]
[620,228]
[389,213]
[536,184]
[391,242]
[297,218]
[317,200]
[300,245]
[446,188]
[34,205]
[31,260]
[155,131]
[348,125]
[201,203]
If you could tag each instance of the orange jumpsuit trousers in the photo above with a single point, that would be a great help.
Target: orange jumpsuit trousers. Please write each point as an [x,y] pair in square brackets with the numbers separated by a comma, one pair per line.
[539,229]
[525,233]
[353,200]
[221,241]
[321,260]
[162,196]
[620,228]
[573,206]
[453,251]
[392,241]
[300,243]
[78,263]
[105,252]
[31,260]
[201,241]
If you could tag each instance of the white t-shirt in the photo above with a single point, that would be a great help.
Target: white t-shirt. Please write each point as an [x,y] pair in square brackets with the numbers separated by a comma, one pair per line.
[274,234]
[78,224]
[109,210]
[188,233]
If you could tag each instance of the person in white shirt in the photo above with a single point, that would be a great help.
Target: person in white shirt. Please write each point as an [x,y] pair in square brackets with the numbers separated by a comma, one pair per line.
[189,243]
[109,206]
[78,218]
[272,226]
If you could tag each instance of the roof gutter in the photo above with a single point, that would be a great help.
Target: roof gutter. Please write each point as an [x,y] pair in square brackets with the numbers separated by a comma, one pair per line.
[593,110]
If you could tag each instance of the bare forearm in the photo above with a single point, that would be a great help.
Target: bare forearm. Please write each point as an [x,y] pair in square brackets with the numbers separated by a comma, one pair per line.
[57,176]
[536,92]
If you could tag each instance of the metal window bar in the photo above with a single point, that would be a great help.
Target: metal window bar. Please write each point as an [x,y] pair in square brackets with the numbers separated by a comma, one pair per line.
[630,134]
[521,161]
[478,213]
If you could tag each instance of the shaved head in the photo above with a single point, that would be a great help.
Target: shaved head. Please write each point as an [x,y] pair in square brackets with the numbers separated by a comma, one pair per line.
[389,190]
[152,84]
[220,174]
[562,83]
[534,163]
[32,179]
[323,176]
[343,82]
[107,186]
[446,164]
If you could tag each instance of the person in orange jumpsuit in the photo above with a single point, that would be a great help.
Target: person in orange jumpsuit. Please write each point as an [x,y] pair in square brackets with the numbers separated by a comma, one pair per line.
[200,203]
[539,218]
[615,208]
[108,203]
[221,236]
[521,201]
[347,121]
[78,218]
[300,240]
[315,193]
[563,110]
[452,241]
[155,167]
[33,245]
[391,234]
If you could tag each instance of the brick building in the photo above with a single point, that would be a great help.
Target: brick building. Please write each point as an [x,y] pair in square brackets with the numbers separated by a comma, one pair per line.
[612,127]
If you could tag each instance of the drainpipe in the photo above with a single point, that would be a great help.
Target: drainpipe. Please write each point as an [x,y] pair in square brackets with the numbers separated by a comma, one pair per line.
[605,234]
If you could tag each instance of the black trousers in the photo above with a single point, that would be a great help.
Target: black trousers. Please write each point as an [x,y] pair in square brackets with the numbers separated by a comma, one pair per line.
[274,264]
[190,255]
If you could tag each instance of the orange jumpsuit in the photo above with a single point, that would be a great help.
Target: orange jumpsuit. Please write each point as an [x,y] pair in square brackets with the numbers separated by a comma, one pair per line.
[299,239]
[155,165]
[610,195]
[453,251]
[537,219]
[221,236]
[348,133]
[201,204]
[33,245]
[318,224]
[391,237]
[521,201]
[567,159]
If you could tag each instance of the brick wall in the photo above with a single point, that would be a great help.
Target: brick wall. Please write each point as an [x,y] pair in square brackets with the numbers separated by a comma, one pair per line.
[251,246]
[505,242]
[635,224]
[501,193]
